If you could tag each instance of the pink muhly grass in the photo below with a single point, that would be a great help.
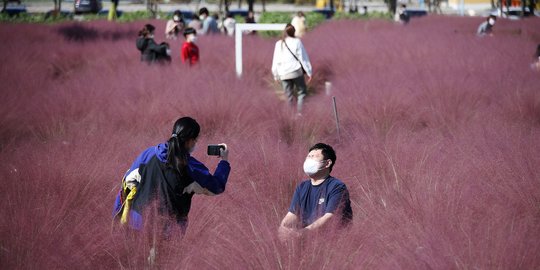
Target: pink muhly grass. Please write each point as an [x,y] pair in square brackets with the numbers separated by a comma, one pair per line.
[438,147]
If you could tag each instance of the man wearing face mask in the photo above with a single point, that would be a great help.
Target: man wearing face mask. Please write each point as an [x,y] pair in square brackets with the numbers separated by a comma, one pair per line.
[209,24]
[318,200]
[486,27]
[190,51]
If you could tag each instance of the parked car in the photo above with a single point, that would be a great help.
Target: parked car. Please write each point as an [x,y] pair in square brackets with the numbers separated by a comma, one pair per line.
[87,6]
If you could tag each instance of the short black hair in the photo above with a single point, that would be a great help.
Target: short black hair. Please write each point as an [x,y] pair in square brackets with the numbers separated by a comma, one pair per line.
[189,30]
[203,11]
[327,152]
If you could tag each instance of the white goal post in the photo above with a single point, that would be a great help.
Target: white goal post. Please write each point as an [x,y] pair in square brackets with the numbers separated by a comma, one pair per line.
[240,28]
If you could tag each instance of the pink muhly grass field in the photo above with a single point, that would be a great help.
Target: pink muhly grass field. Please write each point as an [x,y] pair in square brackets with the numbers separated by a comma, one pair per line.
[440,135]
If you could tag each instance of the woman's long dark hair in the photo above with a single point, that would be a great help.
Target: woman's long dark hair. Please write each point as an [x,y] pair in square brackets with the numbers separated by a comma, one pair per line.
[184,129]
[147,30]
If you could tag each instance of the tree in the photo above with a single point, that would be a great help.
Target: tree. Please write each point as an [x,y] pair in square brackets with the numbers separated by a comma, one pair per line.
[152,7]
[57,6]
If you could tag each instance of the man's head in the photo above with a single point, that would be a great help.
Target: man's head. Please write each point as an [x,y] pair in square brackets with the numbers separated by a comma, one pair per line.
[190,34]
[203,12]
[320,159]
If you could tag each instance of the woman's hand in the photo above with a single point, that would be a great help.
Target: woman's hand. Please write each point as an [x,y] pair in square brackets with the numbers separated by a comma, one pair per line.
[224,152]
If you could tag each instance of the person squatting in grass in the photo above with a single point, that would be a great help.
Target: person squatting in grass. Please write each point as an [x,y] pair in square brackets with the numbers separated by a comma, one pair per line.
[150,51]
[318,200]
[167,176]
[289,64]
[190,51]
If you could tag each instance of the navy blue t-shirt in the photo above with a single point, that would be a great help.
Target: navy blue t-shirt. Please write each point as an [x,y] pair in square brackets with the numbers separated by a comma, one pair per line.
[311,202]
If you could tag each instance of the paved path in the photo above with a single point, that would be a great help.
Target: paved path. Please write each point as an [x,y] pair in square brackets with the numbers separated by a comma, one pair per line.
[130,6]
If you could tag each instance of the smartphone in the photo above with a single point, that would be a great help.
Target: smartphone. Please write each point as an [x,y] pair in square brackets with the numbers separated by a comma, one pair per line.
[215,149]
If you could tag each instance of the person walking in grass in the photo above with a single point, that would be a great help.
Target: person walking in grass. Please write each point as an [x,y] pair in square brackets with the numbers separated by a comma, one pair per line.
[289,65]
[190,51]
[299,23]
[320,199]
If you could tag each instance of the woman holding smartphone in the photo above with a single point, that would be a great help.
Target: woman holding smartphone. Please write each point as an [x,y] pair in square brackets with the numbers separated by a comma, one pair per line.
[163,179]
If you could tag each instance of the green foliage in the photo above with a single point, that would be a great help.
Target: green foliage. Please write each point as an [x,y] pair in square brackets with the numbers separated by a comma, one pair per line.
[358,16]
[140,15]
[126,16]
[34,18]
[239,19]
[313,19]
[274,17]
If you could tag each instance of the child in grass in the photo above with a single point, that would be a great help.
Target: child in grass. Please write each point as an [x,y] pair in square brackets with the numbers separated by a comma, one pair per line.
[190,51]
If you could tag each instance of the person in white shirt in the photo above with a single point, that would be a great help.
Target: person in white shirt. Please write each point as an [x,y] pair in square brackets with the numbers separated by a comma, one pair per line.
[289,65]
[299,23]
[228,24]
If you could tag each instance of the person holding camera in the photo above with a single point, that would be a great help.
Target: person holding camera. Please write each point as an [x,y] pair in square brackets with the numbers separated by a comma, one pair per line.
[318,200]
[175,26]
[289,64]
[163,179]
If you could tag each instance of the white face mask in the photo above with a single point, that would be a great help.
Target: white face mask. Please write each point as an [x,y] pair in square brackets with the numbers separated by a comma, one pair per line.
[311,166]
[168,51]
[193,38]
[491,21]
[176,18]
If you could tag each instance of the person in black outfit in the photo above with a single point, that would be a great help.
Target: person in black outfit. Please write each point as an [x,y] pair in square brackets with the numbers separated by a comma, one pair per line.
[151,52]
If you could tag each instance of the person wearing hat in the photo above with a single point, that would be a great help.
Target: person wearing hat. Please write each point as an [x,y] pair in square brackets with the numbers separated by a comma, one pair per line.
[151,52]
[190,51]
[175,26]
